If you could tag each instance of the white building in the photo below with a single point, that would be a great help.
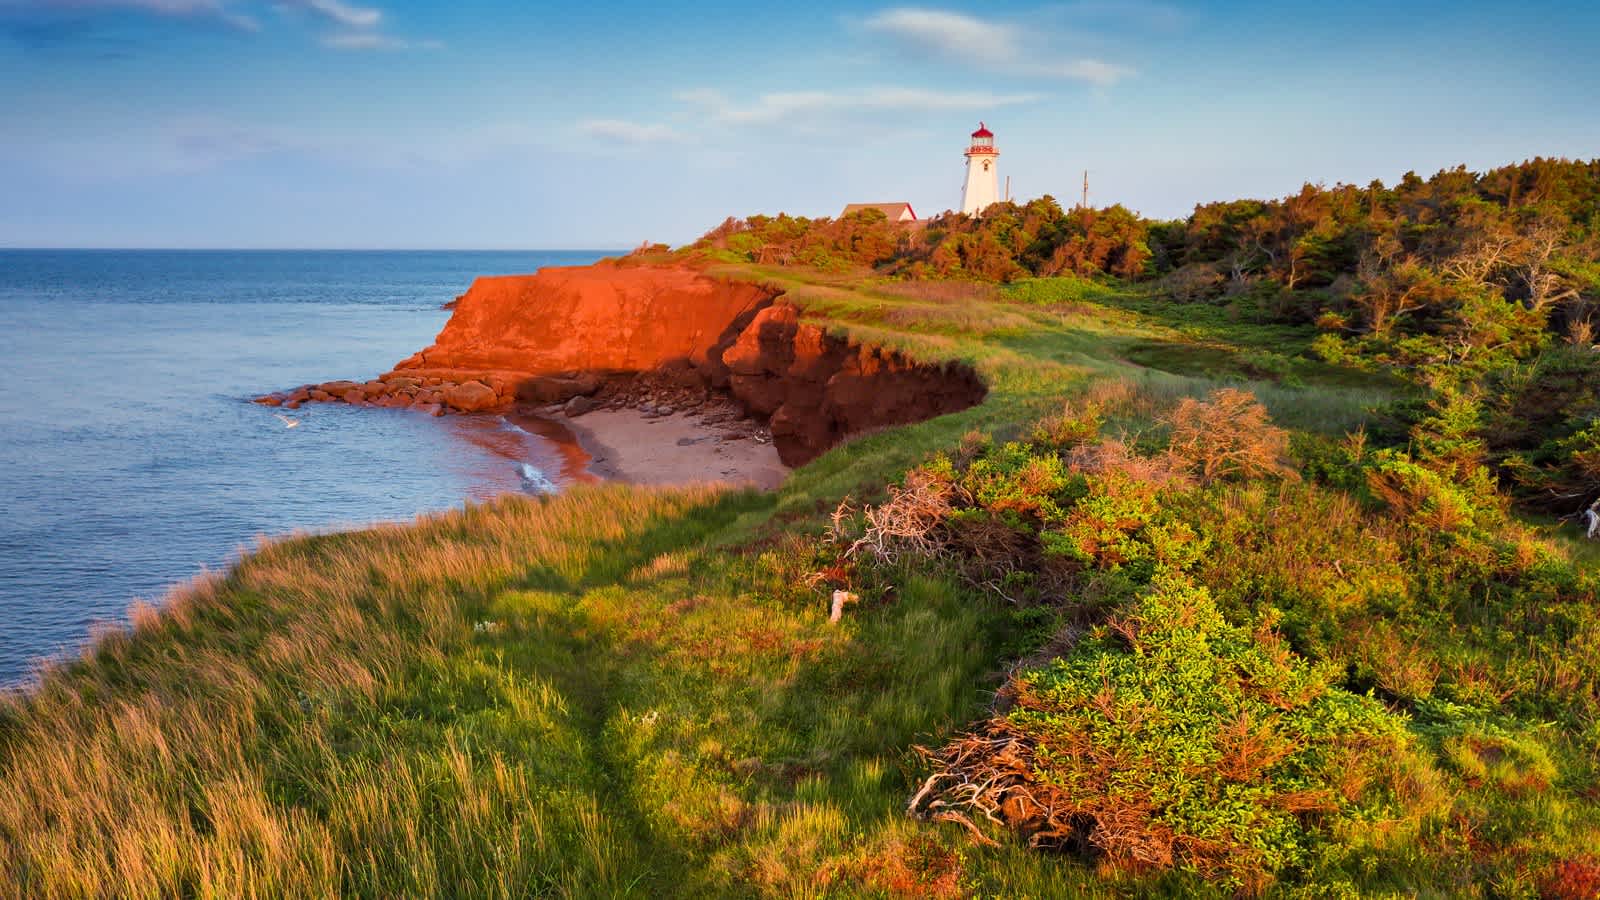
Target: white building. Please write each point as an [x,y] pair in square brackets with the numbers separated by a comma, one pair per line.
[983,178]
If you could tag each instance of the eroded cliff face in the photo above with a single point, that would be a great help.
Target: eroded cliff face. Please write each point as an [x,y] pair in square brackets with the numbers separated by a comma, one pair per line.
[566,334]
[600,319]
[816,389]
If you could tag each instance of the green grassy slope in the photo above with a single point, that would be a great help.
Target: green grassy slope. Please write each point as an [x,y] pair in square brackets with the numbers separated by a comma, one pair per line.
[625,692]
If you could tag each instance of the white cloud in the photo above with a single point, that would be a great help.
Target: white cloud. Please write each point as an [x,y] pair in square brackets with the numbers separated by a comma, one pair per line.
[374,40]
[947,33]
[212,10]
[1094,71]
[357,27]
[341,13]
[1001,47]
[817,108]
[621,131]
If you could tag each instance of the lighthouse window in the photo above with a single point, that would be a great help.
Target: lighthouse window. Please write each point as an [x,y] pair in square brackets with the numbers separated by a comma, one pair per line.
[986,165]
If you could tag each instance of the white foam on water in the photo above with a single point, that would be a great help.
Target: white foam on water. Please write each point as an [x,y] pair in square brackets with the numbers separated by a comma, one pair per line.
[534,481]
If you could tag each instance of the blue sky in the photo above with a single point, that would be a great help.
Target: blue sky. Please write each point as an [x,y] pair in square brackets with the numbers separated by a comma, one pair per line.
[343,123]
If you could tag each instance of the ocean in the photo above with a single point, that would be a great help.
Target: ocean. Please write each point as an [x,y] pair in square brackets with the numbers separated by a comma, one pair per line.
[131,458]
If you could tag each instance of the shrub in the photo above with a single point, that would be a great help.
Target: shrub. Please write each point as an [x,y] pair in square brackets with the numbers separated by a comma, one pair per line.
[1172,739]
[1429,499]
[1229,434]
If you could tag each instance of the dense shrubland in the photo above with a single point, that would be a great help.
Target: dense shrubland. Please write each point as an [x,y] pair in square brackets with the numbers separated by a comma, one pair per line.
[1482,289]
[1254,674]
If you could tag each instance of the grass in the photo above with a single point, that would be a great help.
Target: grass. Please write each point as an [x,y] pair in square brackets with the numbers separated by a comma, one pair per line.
[630,692]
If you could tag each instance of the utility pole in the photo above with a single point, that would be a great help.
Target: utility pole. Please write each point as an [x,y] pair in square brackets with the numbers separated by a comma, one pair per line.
[1008,188]
[1084,203]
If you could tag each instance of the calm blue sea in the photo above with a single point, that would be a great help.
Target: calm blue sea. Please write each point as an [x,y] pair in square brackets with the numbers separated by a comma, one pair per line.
[131,457]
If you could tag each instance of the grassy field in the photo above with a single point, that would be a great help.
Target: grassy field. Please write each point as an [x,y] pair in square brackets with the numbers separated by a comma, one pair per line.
[625,692]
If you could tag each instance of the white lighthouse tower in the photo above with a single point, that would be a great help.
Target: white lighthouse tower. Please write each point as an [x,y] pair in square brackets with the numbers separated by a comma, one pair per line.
[983,181]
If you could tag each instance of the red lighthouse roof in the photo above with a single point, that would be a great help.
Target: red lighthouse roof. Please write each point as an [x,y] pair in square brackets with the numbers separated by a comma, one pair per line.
[982,132]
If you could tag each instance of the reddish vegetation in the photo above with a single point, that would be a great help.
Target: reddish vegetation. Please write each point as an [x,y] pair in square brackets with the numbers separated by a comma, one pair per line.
[568,332]
[1571,879]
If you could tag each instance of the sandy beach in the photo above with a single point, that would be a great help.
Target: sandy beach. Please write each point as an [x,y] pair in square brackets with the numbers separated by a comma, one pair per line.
[681,448]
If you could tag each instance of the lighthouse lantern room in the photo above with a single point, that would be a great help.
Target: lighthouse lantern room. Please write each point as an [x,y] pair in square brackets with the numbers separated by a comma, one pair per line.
[983,179]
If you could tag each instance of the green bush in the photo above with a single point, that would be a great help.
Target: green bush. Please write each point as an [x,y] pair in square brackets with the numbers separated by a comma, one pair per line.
[1171,738]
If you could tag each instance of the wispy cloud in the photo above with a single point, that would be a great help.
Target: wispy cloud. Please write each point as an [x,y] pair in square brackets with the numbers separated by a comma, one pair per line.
[359,27]
[1003,47]
[208,11]
[622,131]
[374,40]
[813,108]
[42,24]
[340,13]
[204,143]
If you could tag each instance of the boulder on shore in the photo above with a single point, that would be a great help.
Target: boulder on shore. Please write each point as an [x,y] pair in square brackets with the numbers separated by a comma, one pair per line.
[471,396]
[577,406]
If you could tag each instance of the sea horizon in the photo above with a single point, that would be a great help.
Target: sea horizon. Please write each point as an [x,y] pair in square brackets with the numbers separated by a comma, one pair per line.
[149,464]
[175,249]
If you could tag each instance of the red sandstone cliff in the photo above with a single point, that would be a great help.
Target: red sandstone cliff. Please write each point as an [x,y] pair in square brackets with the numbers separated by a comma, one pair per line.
[560,333]
[817,388]
[602,318]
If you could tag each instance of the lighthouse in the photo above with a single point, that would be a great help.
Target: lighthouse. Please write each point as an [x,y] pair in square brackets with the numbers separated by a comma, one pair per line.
[983,181]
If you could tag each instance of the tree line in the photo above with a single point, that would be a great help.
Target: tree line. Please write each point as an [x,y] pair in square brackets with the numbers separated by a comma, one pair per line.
[1482,287]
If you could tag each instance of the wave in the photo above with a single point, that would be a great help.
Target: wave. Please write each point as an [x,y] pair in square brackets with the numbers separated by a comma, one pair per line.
[534,481]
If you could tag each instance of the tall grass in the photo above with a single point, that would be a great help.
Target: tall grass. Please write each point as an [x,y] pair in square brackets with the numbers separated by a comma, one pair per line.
[323,720]
[628,692]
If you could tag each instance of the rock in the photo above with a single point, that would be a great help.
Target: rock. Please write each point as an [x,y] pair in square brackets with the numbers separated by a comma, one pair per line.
[291,404]
[353,395]
[473,396]
[300,395]
[602,318]
[577,406]
[321,396]
[269,400]
[556,388]
[375,389]
[338,388]
[402,383]
[682,374]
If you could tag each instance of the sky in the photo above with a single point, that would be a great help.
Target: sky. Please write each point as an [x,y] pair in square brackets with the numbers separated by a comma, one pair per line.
[390,124]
